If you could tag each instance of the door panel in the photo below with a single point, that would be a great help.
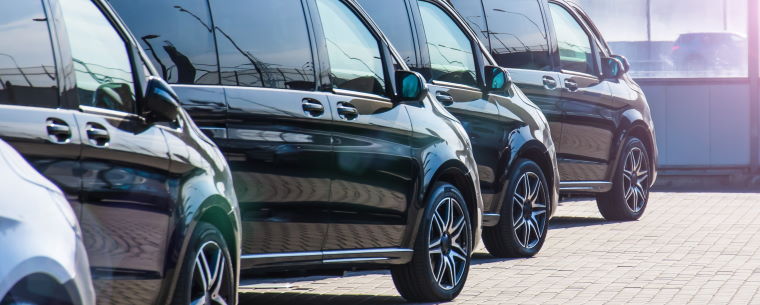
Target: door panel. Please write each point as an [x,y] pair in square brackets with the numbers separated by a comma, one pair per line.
[280,150]
[126,194]
[372,180]
[543,88]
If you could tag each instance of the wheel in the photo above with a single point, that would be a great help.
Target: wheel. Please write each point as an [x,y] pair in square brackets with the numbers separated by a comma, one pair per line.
[630,190]
[524,220]
[442,252]
[207,276]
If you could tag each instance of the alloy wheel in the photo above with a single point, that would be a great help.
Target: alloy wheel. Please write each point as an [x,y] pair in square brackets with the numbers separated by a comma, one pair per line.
[635,179]
[529,210]
[209,282]
[449,247]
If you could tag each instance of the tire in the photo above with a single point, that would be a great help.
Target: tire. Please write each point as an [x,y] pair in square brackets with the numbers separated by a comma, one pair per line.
[522,228]
[630,188]
[427,278]
[207,257]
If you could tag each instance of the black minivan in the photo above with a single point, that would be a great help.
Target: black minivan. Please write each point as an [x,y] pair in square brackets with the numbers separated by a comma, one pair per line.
[154,196]
[340,158]
[510,136]
[599,116]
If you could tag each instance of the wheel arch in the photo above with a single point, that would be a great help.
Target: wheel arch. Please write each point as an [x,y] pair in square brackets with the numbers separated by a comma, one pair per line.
[633,125]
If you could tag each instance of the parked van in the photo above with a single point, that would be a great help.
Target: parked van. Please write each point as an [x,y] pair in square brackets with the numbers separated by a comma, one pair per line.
[153,195]
[599,116]
[510,136]
[340,158]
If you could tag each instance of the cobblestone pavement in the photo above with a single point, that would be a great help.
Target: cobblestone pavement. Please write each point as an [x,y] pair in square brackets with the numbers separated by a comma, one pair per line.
[699,248]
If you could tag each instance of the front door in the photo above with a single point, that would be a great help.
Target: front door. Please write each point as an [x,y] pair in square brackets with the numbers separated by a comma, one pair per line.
[373,170]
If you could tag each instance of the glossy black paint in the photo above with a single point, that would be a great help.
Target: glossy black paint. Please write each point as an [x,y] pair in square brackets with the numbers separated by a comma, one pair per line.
[326,177]
[138,186]
[590,114]
[502,126]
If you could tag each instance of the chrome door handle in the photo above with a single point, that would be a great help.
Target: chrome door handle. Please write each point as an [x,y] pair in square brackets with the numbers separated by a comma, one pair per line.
[312,107]
[550,83]
[97,135]
[571,85]
[445,98]
[58,131]
[347,111]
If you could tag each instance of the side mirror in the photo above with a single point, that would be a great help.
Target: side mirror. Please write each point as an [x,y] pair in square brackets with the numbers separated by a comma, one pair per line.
[497,78]
[612,68]
[410,85]
[160,103]
[624,60]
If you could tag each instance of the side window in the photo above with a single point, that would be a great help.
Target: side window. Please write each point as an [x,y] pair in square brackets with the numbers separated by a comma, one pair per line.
[27,69]
[575,52]
[177,36]
[355,60]
[263,44]
[451,56]
[518,34]
[393,18]
[102,66]
[472,12]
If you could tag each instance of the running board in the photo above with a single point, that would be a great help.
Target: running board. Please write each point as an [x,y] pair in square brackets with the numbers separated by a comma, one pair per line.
[585,187]
[385,256]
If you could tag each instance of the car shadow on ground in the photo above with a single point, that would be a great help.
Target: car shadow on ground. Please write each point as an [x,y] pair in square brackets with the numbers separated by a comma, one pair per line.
[564,222]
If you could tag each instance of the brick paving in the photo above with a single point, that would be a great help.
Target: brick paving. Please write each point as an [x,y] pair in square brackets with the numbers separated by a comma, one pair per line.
[697,248]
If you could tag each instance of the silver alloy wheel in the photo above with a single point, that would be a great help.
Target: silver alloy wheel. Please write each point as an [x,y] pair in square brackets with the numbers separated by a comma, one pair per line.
[635,179]
[529,210]
[208,276]
[449,247]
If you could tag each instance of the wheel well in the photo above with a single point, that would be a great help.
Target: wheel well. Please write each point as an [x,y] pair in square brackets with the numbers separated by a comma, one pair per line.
[543,160]
[643,134]
[458,178]
[41,289]
[219,219]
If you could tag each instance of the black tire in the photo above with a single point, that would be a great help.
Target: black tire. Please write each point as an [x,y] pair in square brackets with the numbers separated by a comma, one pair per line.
[206,244]
[516,234]
[416,281]
[630,184]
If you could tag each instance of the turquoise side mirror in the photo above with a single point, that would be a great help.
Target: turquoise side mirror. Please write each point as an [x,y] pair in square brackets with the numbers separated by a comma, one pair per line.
[410,85]
[497,78]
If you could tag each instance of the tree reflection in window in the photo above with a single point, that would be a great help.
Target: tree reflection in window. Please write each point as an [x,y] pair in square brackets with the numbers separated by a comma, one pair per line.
[451,57]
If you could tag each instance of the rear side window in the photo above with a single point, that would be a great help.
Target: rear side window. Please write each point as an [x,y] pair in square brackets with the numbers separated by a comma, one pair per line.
[451,56]
[518,34]
[355,60]
[263,43]
[393,18]
[575,53]
[101,60]
[177,36]
[27,67]
[472,12]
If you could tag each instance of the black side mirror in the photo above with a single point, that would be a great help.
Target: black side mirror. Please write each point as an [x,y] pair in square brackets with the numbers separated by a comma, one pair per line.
[410,85]
[497,78]
[624,60]
[612,68]
[160,103]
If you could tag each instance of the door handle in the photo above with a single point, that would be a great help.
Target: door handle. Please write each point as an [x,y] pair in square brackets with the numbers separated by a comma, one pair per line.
[312,107]
[571,85]
[445,98]
[550,83]
[97,134]
[347,111]
[58,131]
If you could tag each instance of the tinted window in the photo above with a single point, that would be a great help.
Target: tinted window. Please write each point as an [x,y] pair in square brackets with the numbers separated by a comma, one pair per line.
[393,19]
[263,43]
[101,61]
[472,12]
[27,70]
[451,57]
[517,34]
[574,44]
[176,35]
[355,60]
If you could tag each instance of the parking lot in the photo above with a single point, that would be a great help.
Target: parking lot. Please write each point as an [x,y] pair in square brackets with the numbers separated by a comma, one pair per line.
[696,248]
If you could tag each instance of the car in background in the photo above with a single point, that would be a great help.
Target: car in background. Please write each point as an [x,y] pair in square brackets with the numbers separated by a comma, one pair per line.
[716,51]
[600,120]
[43,257]
[152,194]
[511,138]
[340,157]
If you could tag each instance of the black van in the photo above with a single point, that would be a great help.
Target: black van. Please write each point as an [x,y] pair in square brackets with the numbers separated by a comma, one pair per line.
[340,158]
[153,195]
[599,116]
[510,136]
